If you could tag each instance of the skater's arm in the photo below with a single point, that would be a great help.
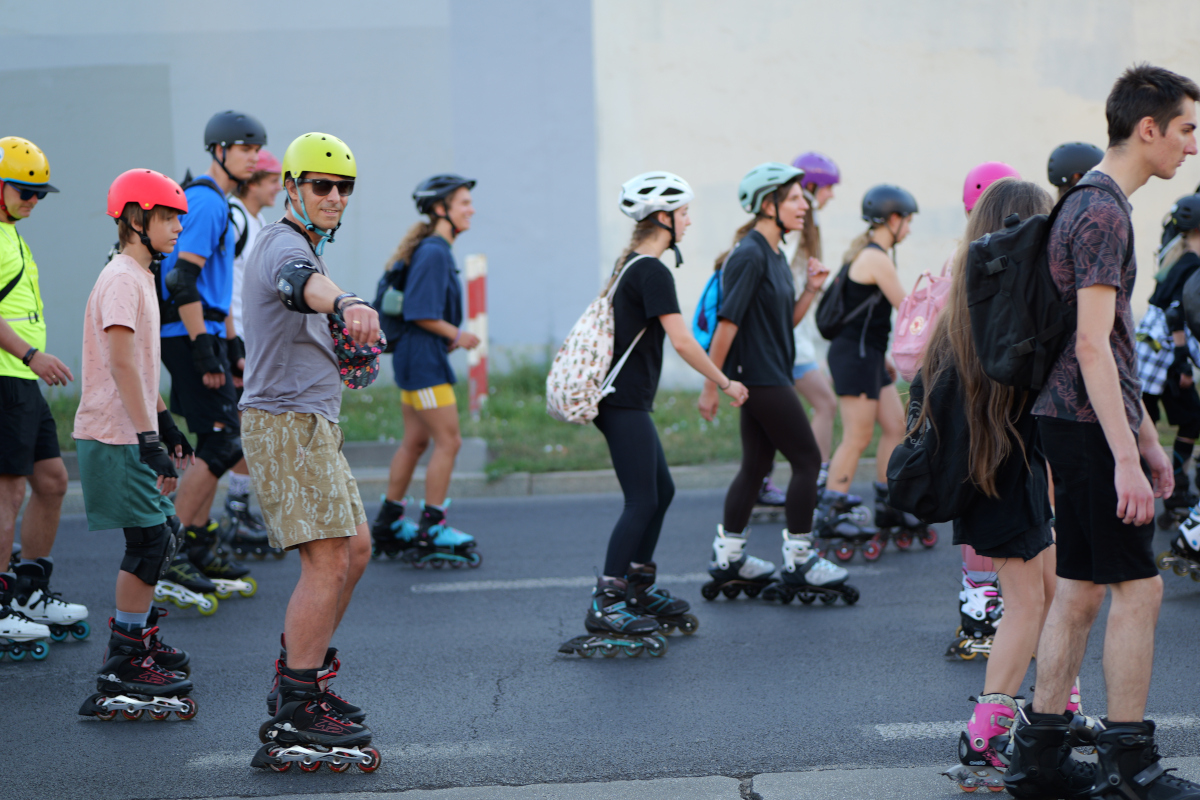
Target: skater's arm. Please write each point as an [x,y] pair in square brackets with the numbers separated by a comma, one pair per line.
[717,351]
[123,367]
[690,351]
[817,273]
[360,317]
[1097,312]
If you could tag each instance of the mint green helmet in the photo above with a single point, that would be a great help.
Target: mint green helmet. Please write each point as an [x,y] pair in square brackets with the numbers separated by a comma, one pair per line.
[761,181]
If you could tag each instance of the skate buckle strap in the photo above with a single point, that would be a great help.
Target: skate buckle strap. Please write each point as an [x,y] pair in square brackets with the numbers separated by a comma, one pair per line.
[1149,774]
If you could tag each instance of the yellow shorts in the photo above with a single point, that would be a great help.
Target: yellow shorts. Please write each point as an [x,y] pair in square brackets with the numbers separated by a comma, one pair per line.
[438,396]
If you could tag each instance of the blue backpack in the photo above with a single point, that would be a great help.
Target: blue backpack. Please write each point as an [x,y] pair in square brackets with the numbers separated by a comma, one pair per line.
[705,323]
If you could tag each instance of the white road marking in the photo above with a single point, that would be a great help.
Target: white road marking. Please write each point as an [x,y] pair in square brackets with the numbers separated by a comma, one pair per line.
[440,750]
[950,730]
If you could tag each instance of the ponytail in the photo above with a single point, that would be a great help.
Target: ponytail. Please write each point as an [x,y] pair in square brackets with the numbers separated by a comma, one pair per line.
[416,234]
[858,245]
[737,237]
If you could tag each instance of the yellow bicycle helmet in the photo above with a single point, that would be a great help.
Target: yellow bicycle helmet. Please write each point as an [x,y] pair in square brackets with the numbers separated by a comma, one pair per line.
[318,152]
[23,162]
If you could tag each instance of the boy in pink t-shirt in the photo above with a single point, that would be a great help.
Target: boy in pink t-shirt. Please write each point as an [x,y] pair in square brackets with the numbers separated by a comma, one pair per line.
[120,429]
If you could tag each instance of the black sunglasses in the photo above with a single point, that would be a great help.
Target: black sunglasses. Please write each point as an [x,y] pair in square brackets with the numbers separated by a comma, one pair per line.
[322,187]
[40,194]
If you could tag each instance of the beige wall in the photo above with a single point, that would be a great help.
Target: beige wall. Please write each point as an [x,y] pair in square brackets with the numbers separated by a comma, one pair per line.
[914,94]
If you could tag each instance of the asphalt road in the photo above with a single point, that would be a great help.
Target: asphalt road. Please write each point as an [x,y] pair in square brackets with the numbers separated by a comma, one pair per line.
[460,674]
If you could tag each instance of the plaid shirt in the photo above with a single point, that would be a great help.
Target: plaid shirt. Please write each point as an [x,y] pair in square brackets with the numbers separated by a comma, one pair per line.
[1153,366]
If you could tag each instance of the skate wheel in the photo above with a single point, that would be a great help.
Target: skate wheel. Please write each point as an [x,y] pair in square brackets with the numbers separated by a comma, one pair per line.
[80,630]
[851,595]
[16,655]
[586,652]
[807,598]
[828,599]
[752,591]
[904,540]
[307,766]
[609,650]
[474,559]
[437,563]
[158,715]
[872,550]
[1180,568]
[667,626]
[1163,561]
[132,715]
[929,538]
[709,591]
[39,651]
[456,564]
[191,708]
[634,649]
[277,553]
[175,602]
[965,653]
[656,646]
[844,552]
[418,564]
[105,715]
[731,591]
[59,635]
[207,609]
[373,760]
[277,766]
[252,590]
[691,624]
[1196,575]
[337,765]
[222,594]
[784,596]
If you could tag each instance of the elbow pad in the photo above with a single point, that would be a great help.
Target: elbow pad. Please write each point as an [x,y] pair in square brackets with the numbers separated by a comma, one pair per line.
[1174,315]
[181,283]
[290,285]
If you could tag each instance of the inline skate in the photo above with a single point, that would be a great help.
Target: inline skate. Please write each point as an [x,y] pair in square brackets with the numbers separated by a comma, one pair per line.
[613,628]
[1041,763]
[186,586]
[243,531]
[1129,769]
[436,544]
[646,596]
[806,575]
[132,683]
[734,572]
[167,657]
[19,634]
[844,526]
[392,533]
[327,672]
[901,526]
[228,576]
[980,610]
[770,503]
[1184,556]
[33,598]
[985,746]
[308,731]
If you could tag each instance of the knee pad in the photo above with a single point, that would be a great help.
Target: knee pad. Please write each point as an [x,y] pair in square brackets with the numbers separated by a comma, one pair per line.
[148,551]
[220,450]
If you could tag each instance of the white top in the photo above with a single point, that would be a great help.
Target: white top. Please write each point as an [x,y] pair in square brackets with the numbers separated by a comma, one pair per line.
[242,219]
[805,334]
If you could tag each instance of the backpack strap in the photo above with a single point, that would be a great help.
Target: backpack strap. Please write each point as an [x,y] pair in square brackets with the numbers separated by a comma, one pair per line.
[204,180]
[244,236]
[8,287]
[606,386]
[612,286]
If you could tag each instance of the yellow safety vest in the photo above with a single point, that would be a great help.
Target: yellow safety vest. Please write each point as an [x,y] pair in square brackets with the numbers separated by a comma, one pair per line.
[22,308]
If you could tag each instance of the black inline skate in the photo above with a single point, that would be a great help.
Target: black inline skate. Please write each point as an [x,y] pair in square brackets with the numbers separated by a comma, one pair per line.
[1041,763]
[327,672]
[980,609]
[1184,556]
[1128,766]
[19,635]
[434,543]
[1178,506]
[228,576]
[732,571]
[646,596]
[900,526]
[806,575]
[167,657]
[844,526]
[243,531]
[308,731]
[186,586]
[613,628]
[132,683]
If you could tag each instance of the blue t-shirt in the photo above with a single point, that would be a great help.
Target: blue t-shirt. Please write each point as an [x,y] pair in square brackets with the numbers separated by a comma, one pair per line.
[207,219]
[432,291]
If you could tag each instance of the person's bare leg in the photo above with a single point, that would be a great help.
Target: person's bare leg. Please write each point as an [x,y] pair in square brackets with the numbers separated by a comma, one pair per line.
[858,426]
[360,555]
[443,427]
[197,488]
[404,461]
[313,611]
[1063,642]
[890,414]
[133,596]
[1021,583]
[12,494]
[1049,581]
[1129,647]
[816,388]
[39,527]
[204,512]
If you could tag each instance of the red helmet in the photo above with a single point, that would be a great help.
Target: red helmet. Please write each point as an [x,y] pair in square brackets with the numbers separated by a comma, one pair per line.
[267,162]
[148,189]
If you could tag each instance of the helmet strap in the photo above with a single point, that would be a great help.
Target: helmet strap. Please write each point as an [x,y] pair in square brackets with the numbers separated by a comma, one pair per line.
[775,199]
[144,234]
[674,246]
[4,215]
[299,210]
[454,231]
[241,184]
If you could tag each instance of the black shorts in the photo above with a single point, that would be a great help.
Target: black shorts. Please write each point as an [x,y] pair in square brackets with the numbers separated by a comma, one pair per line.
[190,398]
[27,430]
[1025,545]
[1093,543]
[855,375]
[1183,409]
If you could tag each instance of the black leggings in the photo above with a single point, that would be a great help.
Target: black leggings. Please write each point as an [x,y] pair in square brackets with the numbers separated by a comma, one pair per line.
[641,467]
[773,420]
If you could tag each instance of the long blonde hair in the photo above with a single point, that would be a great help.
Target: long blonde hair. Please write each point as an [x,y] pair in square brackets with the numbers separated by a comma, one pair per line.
[642,231]
[991,408]
[416,234]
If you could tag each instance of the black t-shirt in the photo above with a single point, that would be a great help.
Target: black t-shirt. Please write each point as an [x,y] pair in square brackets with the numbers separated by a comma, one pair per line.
[1171,288]
[645,293]
[759,296]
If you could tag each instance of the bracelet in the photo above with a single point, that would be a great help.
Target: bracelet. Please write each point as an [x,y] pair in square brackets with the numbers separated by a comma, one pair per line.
[456,338]
[25,359]
[728,383]
[339,299]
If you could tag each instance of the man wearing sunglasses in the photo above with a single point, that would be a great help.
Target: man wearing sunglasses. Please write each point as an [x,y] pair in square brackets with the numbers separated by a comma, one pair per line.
[197,284]
[290,408]
[28,437]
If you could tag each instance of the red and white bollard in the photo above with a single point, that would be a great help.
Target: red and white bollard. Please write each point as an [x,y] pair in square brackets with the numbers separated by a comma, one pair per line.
[477,359]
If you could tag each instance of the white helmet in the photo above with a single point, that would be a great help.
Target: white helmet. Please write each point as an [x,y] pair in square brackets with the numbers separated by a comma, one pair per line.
[654,191]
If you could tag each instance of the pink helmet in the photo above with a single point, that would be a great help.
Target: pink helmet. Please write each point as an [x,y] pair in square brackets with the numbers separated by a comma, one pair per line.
[268,162]
[982,177]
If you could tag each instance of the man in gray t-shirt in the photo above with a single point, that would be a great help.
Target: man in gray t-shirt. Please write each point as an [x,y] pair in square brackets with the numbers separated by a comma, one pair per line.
[291,438]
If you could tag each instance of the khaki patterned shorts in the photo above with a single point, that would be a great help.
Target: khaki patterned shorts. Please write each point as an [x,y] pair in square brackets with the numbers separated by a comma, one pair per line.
[302,480]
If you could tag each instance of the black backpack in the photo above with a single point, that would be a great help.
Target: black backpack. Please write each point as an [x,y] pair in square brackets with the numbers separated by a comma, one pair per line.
[928,473]
[1019,322]
[831,314]
[389,295]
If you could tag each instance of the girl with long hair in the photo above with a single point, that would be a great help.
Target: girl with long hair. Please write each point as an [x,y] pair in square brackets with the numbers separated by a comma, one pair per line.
[628,608]
[754,343]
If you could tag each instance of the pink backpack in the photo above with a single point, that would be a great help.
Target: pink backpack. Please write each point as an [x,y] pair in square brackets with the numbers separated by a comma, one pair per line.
[915,319]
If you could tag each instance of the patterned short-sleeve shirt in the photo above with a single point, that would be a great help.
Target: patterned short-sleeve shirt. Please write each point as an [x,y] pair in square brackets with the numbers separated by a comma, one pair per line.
[1092,244]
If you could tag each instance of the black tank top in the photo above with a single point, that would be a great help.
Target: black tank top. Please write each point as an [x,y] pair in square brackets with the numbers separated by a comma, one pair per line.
[872,327]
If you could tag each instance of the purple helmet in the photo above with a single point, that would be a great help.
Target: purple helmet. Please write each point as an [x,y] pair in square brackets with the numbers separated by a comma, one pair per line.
[818,169]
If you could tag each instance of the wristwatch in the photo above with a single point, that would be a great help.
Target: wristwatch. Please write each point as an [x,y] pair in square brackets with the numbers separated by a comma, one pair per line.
[25,359]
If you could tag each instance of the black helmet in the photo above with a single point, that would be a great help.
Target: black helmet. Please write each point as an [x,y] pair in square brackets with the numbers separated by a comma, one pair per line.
[1185,214]
[881,201]
[1072,158]
[233,127]
[1191,303]
[439,187]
